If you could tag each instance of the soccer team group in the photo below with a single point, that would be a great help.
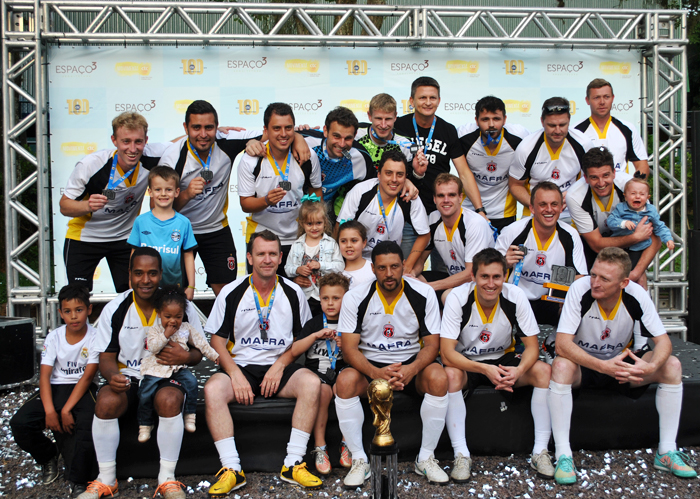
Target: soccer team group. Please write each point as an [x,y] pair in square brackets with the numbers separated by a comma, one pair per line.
[341,224]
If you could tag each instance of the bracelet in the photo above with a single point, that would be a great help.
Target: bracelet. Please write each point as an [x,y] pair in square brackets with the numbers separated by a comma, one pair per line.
[481,210]
[266,201]
[191,287]
[419,177]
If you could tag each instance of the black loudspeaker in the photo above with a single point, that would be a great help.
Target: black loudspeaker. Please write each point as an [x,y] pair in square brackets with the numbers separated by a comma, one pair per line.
[17,351]
[693,286]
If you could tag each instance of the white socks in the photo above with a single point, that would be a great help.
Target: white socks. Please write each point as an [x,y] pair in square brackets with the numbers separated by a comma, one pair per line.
[228,454]
[669,399]
[166,471]
[296,447]
[432,412]
[170,432]
[350,419]
[540,416]
[455,420]
[105,435]
[560,406]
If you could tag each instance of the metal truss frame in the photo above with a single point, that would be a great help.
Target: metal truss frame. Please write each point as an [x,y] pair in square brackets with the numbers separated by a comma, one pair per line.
[29,25]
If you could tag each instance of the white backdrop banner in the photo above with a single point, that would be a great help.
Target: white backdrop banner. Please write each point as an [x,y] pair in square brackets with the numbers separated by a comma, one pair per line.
[89,86]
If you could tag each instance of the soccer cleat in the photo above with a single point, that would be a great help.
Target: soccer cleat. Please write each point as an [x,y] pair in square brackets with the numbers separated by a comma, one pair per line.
[345,456]
[49,471]
[76,489]
[675,462]
[171,489]
[96,490]
[190,422]
[322,461]
[357,475]
[145,433]
[542,463]
[299,475]
[461,469]
[229,480]
[430,469]
[565,472]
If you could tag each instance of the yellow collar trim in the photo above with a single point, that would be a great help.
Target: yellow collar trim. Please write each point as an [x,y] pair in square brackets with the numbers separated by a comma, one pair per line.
[614,310]
[144,321]
[449,233]
[389,307]
[498,147]
[604,209]
[196,156]
[389,207]
[263,303]
[481,311]
[273,163]
[540,246]
[553,155]
[604,133]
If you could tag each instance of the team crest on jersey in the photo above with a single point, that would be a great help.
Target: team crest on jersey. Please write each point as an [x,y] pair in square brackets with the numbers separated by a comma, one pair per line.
[555,174]
[452,254]
[265,326]
[145,343]
[175,236]
[606,334]
[541,259]
[231,261]
[388,331]
[485,336]
[491,166]
[381,229]
[84,353]
[323,177]
[129,199]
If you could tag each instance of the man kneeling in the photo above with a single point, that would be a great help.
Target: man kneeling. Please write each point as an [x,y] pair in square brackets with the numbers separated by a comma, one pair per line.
[593,340]
[477,347]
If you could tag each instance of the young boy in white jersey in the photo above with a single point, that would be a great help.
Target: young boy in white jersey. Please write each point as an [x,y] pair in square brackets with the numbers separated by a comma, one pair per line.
[65,401]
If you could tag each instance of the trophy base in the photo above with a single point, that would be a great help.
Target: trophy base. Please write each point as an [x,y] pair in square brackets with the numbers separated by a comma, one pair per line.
[383,450]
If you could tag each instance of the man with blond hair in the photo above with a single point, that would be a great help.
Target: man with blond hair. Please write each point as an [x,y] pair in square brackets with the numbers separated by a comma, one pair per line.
[103,198]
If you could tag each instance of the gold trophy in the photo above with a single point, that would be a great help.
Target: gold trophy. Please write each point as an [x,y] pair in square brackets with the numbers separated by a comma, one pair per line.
[381,398]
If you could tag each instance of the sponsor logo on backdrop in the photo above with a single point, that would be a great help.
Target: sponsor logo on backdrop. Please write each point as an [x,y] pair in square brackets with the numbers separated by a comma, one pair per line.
[572,107]
[248,106]
[357,67]
[192,66]
[518,106]
[623,106]
[76,69]
[302,65]
[247,64]
[78,148]
[356,105]
[78,106]
[574,67]
[138,107]
[613,67]
[128,68]
[514,67]
[458,66]
[409,67]
[407,108]
[307,106]
[460,106]
[182,105]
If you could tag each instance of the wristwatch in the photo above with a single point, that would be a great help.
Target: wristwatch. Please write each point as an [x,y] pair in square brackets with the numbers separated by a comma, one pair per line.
[481,210]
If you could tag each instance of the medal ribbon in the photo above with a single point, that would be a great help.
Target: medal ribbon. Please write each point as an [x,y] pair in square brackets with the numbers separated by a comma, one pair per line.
[430,135]
[332,356]
[324,149]
[112,183]
[381,208]
[386,142]
[205,166]
[284,170]
[258,299]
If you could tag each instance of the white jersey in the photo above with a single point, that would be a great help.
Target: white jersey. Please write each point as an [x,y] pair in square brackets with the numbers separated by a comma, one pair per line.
[235,318]
[207,211]
[69,361]
[620,137]
[362,204]
[122,328]
[603,336]
[588,211]
[563,248]
[114,220]
[486,338]
[257,177]
[361,275]
[458,245]
[390,332]
[491,169]
[536,162]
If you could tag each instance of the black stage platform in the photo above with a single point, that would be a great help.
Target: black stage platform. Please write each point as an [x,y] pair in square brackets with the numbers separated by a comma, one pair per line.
[495,426]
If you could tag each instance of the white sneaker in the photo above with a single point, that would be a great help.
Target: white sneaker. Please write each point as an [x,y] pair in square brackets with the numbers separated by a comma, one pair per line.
[145,433]
[190,420]
[461,469]
[357,475]
[543,464]
[431,470]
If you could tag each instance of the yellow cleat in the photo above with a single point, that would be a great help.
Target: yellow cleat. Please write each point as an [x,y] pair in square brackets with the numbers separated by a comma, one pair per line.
[299,475]
[229,480]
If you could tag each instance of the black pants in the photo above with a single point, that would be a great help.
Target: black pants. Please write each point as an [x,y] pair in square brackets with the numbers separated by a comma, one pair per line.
[77,449]
[81,259]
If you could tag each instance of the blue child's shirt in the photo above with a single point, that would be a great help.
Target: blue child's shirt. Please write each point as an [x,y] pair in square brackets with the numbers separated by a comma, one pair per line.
[622,212]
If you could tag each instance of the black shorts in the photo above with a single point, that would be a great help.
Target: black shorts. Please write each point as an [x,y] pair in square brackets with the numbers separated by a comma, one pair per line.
[546,312]
[81,259]
[339,366]
[596,380]
[500,223]
[410,388]
[475,380]
[218,254]
[634,256]
[255,374]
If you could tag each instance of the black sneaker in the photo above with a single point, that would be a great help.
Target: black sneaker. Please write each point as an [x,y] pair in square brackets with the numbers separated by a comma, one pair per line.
[76,489]
[49,471]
